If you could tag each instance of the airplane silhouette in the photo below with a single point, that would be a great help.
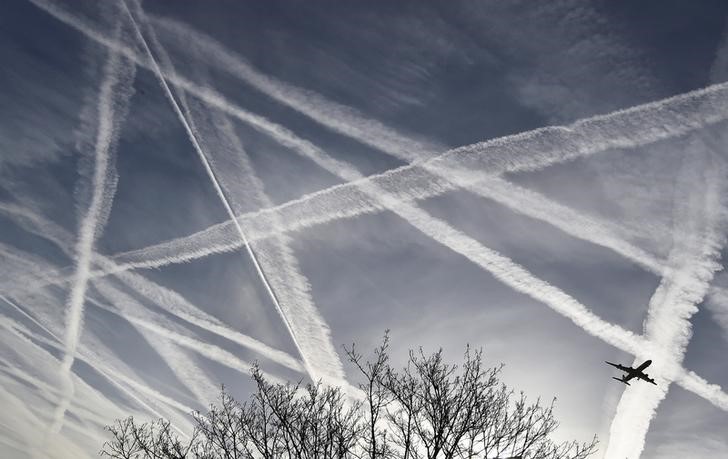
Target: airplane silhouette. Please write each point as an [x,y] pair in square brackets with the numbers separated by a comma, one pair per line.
[633,372]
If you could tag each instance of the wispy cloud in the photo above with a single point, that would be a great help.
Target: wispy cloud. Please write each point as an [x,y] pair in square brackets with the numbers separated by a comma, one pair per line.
[291,317]
[698,240]
[114,94]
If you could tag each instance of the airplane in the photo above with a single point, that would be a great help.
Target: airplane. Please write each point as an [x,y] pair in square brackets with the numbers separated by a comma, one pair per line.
[633,372]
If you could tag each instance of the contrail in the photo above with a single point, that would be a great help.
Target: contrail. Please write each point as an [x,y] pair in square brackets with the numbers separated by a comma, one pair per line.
[347,121]
[26,425]
[631,127]
[673,118]
[193,139]
[50,391]
[242,185]
[184,367]
[501,267]
[114,95]
[627,128]
[698,240]
[339,118]
[116,373]
[527,151]
[144,320]
[167,299]
[19,349]
[622,129]
[90,355]
[148,323]
[699,236]
[718,303]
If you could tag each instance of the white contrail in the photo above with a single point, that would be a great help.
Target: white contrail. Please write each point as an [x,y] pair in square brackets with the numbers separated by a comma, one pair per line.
[339,118]
[20,351]
[26,425]
[150,326]
[718,302]
[699,235]
[183,366]
[621,129]
[532,150]
[147,321]
[195,143]
[167,299]
[50,391]
[95,353]
[503,268]
[114,95]
[632,127]
[98,356]
[699,226]
[625,128]
[236,175]
[347,121]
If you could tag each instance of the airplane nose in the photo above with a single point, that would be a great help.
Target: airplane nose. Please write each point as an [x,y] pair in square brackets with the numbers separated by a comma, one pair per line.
[649,362]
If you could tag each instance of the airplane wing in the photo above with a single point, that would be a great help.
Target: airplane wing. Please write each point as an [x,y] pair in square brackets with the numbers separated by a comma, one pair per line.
[644,377]
[618,366]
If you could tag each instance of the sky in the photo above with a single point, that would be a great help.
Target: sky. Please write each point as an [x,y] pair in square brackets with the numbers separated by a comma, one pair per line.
[187,188]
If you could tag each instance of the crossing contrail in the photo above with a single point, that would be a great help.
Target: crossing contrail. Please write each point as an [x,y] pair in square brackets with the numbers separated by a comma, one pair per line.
[347,121]
[113,99]
[97,355]
[232,167]
[167,299]
[195,143]
[631,127]
[242,185]
[626,128]
[183,366]
[527,151]
[501,267]
[699,216]
[155,327]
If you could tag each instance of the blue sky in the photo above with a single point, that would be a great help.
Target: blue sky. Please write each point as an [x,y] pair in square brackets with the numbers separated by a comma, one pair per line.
[389,169]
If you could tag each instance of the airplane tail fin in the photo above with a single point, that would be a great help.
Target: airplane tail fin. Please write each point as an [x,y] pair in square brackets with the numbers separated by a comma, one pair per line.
[621,380]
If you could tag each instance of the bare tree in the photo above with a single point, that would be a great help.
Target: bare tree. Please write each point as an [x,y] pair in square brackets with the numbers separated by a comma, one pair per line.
[429,409]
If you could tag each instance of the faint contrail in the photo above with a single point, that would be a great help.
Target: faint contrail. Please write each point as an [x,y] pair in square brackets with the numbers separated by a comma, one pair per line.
[117,374]
[19,351]
[148,324]
[114,95]
[625,128]
[26,425]
[501,267]
[184,367]
[698,217]
[109,367]
[167,299]
[597,133]
[718,302]
[699,236]
[236,175]
[347,121]
[231,166]
[530,150]
[195,143]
